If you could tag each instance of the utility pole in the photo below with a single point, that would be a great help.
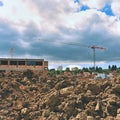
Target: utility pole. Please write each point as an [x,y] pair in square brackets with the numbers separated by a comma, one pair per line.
[12,52]
[94,58]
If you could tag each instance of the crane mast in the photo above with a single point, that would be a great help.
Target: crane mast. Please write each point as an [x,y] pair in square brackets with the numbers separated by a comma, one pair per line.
[94,54]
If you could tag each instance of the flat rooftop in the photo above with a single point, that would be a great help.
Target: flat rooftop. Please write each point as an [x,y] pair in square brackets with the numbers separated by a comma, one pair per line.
[22,59]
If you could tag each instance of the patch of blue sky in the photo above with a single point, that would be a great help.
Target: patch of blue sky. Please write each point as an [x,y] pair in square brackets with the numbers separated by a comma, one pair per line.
[1,3]
[76,1]
[107,10]
[84,8]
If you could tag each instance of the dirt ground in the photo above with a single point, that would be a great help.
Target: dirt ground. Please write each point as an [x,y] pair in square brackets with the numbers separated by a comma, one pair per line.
[28,95]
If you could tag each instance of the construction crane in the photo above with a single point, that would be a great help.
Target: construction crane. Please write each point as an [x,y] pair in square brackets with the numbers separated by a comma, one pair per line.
[94,47]
[94,53]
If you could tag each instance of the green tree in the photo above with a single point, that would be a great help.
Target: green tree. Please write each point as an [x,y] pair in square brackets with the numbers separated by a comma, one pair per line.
[114,67]
[67,69]
[99,69]
[52,72]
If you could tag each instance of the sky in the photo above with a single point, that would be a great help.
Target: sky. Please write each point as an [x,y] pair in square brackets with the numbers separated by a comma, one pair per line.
[61,31]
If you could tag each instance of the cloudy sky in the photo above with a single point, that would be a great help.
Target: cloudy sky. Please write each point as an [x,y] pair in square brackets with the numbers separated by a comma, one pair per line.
[60,31]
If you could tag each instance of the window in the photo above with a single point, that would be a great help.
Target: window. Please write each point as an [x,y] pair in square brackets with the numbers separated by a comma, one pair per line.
[13,62]
[39,63]
[21,62]
[4,62]
[30,62]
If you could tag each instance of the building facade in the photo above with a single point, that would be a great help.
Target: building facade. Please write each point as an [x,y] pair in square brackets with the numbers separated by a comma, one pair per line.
[22,64]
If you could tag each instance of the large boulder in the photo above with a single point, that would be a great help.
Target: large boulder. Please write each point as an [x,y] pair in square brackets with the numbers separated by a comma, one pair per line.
[67,90]
[53,99]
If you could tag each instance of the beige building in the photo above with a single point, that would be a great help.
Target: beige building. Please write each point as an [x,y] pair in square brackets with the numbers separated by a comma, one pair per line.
[22,64]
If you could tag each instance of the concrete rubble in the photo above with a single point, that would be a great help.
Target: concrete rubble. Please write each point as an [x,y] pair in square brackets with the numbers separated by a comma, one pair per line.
[28,95]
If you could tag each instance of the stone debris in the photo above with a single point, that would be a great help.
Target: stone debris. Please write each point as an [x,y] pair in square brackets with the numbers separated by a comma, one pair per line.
[29,95]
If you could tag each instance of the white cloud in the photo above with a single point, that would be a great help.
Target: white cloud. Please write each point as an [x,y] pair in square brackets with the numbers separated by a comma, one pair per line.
[19,13]
[115,5]
[94,4]
[48,15]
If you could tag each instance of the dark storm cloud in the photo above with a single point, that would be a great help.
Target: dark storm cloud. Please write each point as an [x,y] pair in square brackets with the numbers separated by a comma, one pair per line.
[57,46]
[7,37]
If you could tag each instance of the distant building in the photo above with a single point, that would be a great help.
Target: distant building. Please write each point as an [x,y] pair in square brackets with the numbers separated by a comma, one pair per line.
[60,68]
[103,76]
[22,64]
[74,68]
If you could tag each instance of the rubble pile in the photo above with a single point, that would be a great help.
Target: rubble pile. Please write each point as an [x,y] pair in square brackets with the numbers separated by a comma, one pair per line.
[29,95]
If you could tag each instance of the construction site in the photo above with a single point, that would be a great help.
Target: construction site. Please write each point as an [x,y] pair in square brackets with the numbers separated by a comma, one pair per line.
[59,60]
[39,95]
[30,91]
